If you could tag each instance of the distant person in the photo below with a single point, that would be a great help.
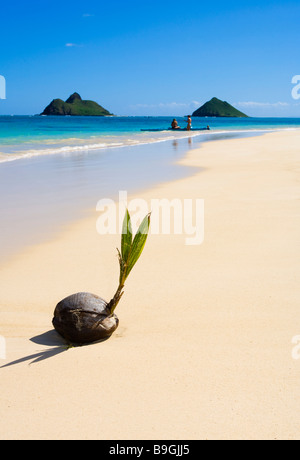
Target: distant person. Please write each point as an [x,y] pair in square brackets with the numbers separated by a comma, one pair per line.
[189,123]
[174,124]
[208,128]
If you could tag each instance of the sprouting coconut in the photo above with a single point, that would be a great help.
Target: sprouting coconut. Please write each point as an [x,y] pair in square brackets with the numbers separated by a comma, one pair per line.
[86,318]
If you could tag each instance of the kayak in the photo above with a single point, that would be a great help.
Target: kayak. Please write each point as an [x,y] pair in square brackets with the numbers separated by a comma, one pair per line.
[180,129]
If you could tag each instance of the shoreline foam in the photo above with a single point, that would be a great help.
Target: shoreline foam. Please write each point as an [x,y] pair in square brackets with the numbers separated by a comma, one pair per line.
[88,144]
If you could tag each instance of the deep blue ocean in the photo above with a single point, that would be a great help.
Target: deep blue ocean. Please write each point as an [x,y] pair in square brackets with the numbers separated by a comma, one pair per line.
[53,170]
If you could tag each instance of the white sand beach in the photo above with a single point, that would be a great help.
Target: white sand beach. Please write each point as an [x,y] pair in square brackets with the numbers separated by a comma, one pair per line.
[204,346]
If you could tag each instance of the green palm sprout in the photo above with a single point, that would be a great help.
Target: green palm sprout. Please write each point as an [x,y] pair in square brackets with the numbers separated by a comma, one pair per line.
[131,250]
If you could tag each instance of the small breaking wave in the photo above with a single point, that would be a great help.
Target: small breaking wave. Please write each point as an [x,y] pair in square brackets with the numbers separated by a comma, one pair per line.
[69,146]
[17,152]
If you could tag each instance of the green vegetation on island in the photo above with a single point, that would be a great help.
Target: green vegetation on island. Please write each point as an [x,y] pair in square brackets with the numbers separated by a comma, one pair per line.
[217,108]
[75,106]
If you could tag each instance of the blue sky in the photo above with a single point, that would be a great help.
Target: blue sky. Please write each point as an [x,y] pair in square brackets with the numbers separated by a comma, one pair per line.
[151,58]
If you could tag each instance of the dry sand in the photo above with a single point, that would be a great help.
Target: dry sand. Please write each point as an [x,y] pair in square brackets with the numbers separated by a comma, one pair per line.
[204,347]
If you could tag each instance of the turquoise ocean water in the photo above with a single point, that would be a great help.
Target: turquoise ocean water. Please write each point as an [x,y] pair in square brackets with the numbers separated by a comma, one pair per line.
[54,169]
[25,136]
